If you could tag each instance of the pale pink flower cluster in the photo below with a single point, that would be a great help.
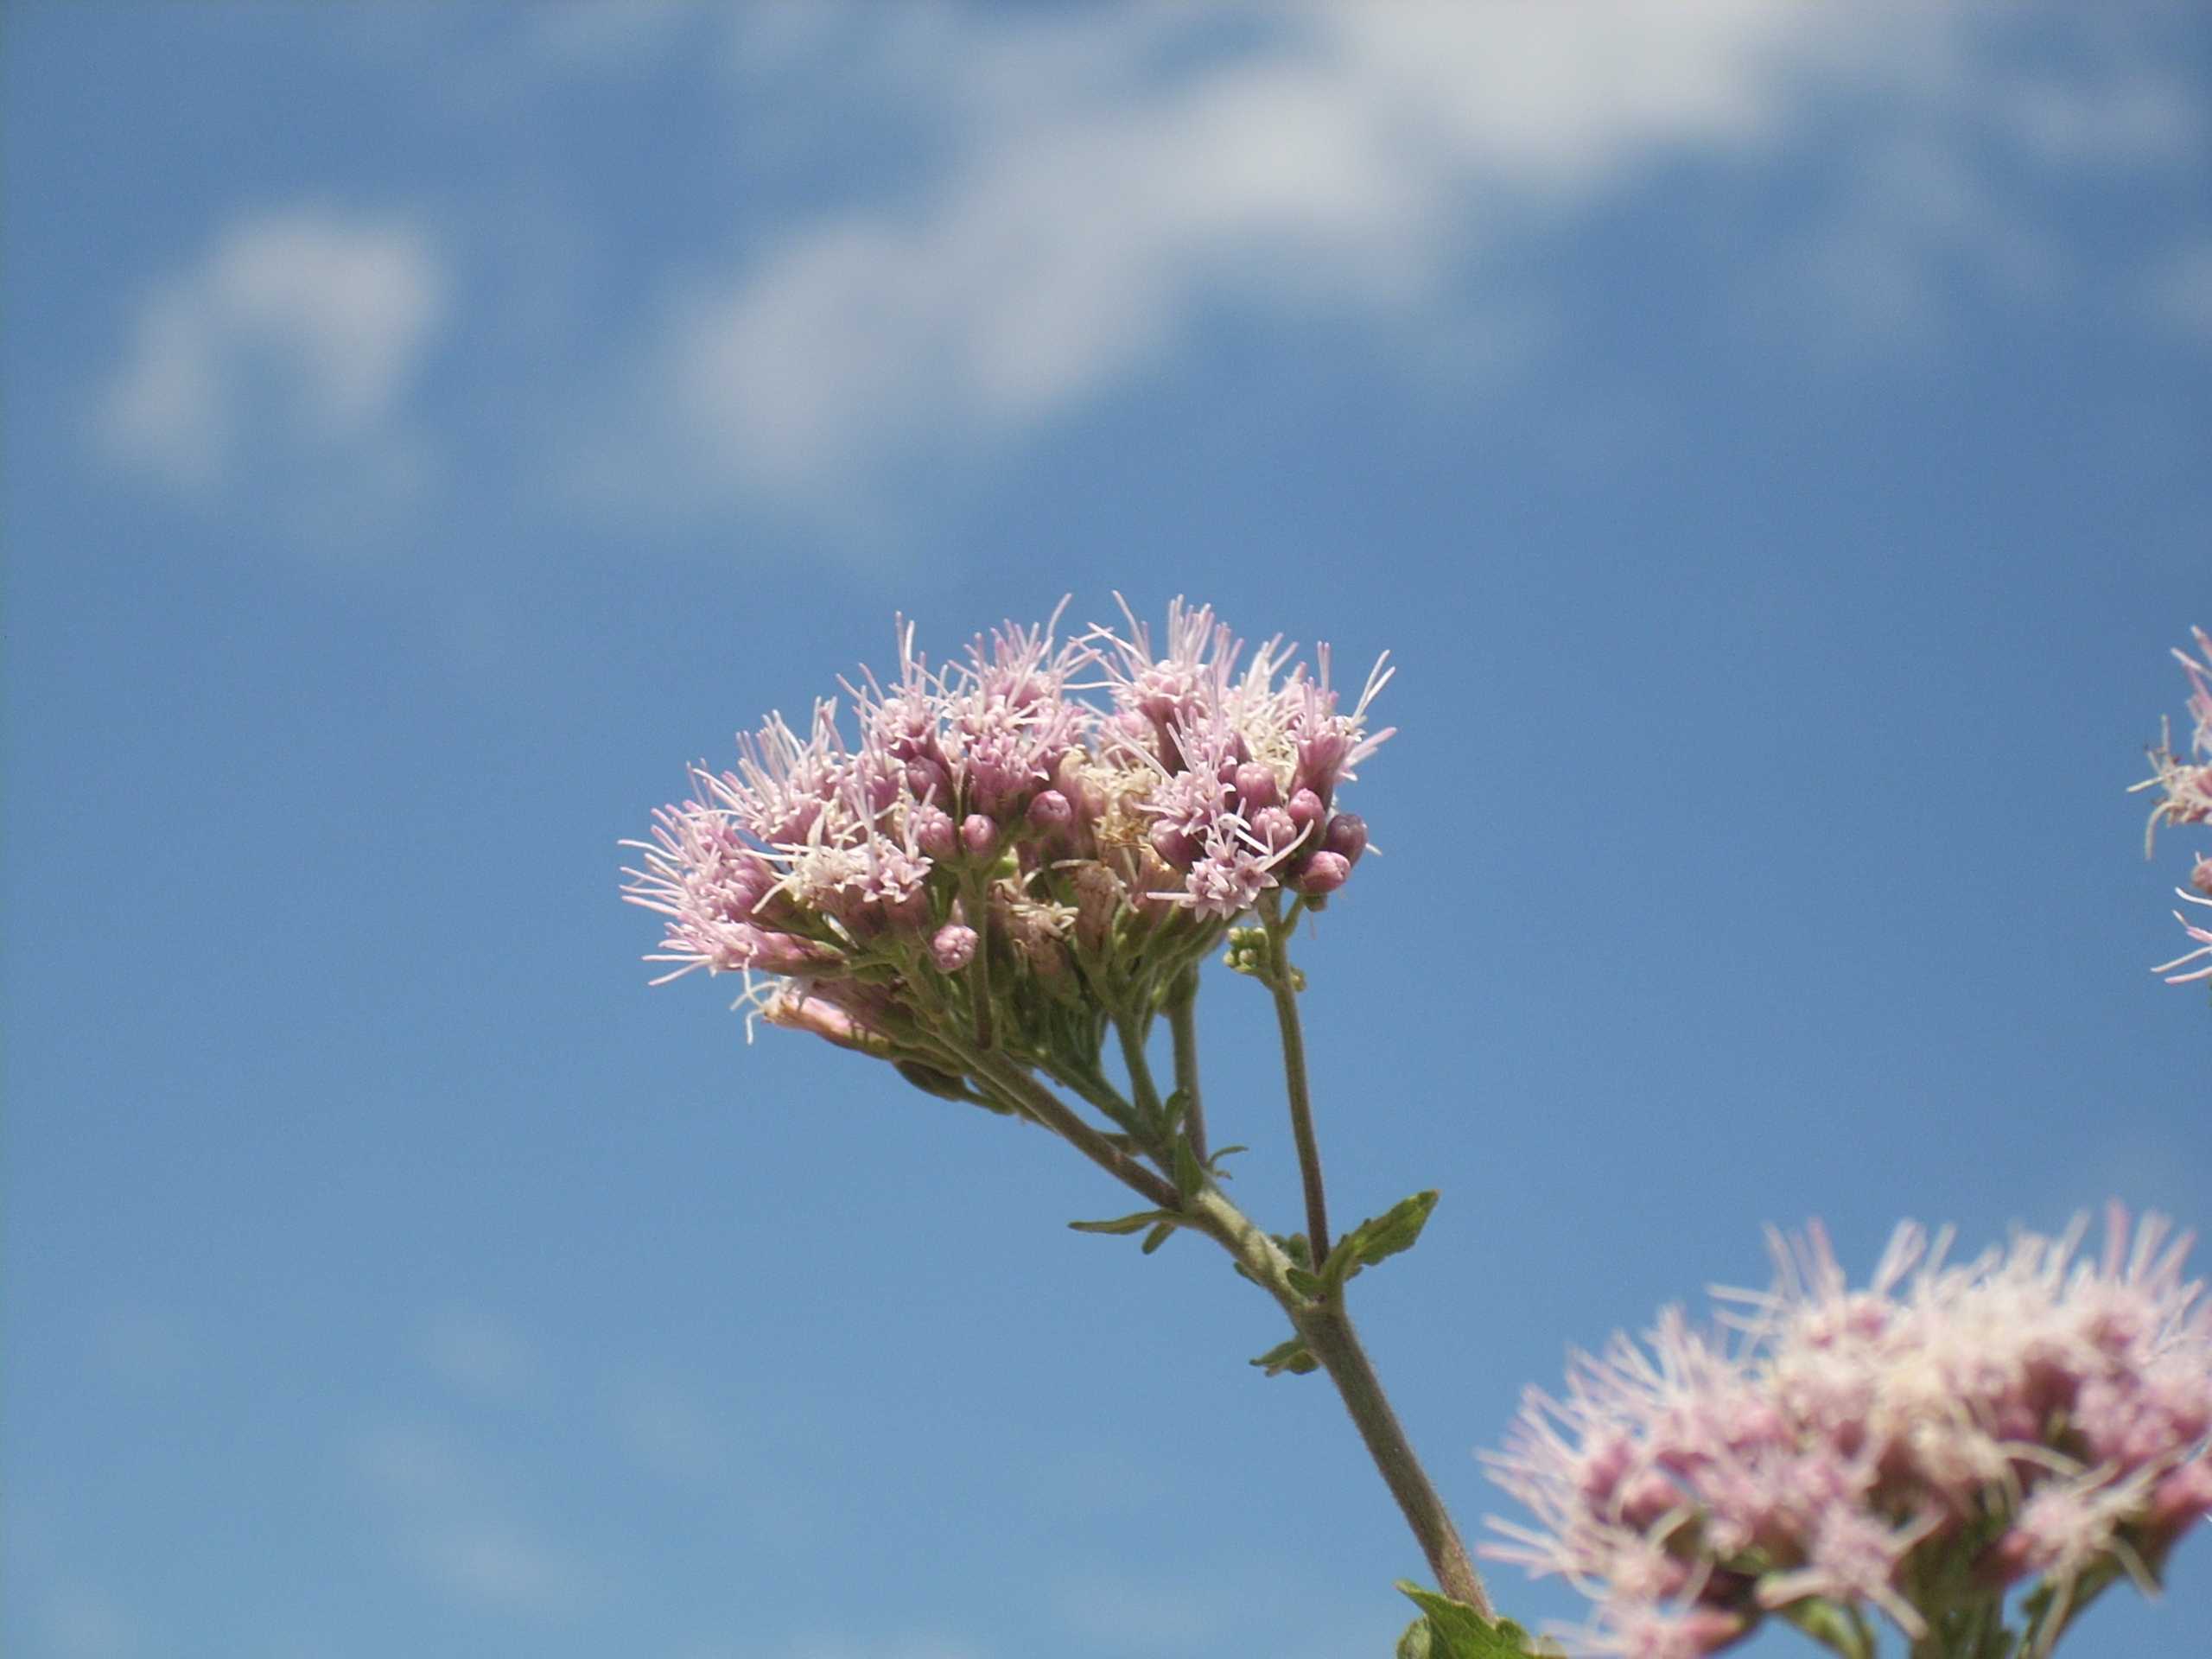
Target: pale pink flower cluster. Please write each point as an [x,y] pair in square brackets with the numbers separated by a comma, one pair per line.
[1066,830]
[2186,798]
[1944,1433]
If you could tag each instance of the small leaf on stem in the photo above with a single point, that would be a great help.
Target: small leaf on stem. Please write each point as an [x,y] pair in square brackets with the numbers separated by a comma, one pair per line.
[1292,1356]
[1456,1630]
[1190,1173]
[1120,1224]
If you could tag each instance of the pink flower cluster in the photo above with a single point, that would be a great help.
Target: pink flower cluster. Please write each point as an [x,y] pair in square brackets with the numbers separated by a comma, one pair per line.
[2187,798]
[1919,1445]
[998,808]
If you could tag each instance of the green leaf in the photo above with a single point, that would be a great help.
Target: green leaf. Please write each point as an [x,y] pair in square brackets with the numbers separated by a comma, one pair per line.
[1458,1631]
[1190,1174]
[1173,1111]
[1378,1239]
[1394,1229]
[1158,1237]
[1213,1164]
[1292,1356]
[1136,1223]
[1307,1285]
[942,1085]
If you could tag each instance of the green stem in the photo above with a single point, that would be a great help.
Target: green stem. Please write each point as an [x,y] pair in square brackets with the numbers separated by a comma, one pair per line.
[1041,1104]
[1150,1112]
[1328,1334]
[979,970]
[1294,1073]
[1183,1022]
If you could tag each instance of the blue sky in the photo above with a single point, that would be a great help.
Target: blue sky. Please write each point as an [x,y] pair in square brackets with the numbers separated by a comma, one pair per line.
[1771,440]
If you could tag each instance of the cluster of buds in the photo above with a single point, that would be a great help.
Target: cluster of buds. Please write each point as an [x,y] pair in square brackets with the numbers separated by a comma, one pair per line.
[1008,850]
[2185,783]
[1921,1447]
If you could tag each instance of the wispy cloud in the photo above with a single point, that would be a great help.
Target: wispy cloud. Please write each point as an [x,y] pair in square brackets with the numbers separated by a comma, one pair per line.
[1096,194]
[448,1519]
[298,331]
[479,1356]
[669,1433]
[1085,186]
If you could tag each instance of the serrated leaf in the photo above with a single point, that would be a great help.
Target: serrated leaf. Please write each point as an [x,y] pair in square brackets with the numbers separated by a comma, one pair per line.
[1136,1223]
[1395,1229]
[1378,1239]
[1158,1237]
[1458,1631]
[1292,1356]
[1190,1174]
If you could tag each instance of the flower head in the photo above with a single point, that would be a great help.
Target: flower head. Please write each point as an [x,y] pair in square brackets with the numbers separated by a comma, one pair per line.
[2185,797]
[2035,1411]
[990,842]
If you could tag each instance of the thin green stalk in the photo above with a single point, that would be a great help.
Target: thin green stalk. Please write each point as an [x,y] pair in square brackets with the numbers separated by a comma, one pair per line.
[1294,1073]
[1327,1329]
[1183,1023]
[1041,1104]
[979,970]
[1147,1093]
[1328,1334]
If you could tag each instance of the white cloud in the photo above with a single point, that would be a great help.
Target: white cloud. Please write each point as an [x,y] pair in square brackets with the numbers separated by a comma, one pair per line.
[446,1518]
[1082,188]
[669,1433]
[1092,205]
[479,1357]
[298,329]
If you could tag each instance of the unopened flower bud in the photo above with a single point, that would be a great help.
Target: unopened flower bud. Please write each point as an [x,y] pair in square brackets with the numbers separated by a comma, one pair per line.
[781,953]
[795,1010]
[932,829]
[927,780]
[1175,847]
[1308,811]
[1255,783]
[979,834]
[953,948]
[750,881]
[1273,827]
[1050,811]
[1324,873]
[1347,837]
